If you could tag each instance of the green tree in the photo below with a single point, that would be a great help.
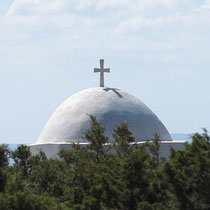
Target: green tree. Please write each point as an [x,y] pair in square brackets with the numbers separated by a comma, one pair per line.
[97,139]
[93,183]
[4,163]
[48,175]
[21,157]
[18,196]
[131,176]
[188,172]
[135,179]
[154,149]
[123,140]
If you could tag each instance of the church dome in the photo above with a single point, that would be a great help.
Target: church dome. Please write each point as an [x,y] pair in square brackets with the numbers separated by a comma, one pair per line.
[111,107]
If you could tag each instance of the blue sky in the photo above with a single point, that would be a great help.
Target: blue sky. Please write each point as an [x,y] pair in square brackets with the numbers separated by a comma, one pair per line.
[159,51]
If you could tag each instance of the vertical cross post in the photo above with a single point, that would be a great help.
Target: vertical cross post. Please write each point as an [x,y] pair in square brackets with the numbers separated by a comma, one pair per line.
[102,70]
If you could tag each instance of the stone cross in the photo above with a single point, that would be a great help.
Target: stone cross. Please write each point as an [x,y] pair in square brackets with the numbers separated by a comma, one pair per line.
[101,70]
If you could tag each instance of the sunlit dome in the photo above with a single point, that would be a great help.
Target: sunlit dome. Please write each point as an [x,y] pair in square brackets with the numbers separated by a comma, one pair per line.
[111,107]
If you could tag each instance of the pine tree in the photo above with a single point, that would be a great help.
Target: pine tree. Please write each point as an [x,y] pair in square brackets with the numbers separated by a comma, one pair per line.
[123,140]
[4,162]
[98,142]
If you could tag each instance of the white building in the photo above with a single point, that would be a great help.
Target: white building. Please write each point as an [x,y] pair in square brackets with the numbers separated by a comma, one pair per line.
[111,107]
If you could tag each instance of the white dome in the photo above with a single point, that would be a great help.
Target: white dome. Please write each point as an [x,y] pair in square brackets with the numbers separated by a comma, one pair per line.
[111,107]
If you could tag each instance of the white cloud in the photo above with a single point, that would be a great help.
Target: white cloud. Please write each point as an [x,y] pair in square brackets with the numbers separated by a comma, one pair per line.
[206,5]
[64,26]
[28,7]
[85,4]
[137,5]
[39,7]
[137,23]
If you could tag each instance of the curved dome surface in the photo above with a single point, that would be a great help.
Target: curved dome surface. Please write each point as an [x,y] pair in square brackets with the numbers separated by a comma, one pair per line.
[111,107]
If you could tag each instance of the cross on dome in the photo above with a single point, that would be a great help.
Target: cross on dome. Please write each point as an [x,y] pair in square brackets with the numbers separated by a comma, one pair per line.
[102,70]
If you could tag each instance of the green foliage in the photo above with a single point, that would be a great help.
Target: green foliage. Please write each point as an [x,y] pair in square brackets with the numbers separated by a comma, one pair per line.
[4,162]
[4,155]
[18,195]
[188,172]
[95,136]
[21,156]
[25,200]
[123,139]
[154,148]
[130,176]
